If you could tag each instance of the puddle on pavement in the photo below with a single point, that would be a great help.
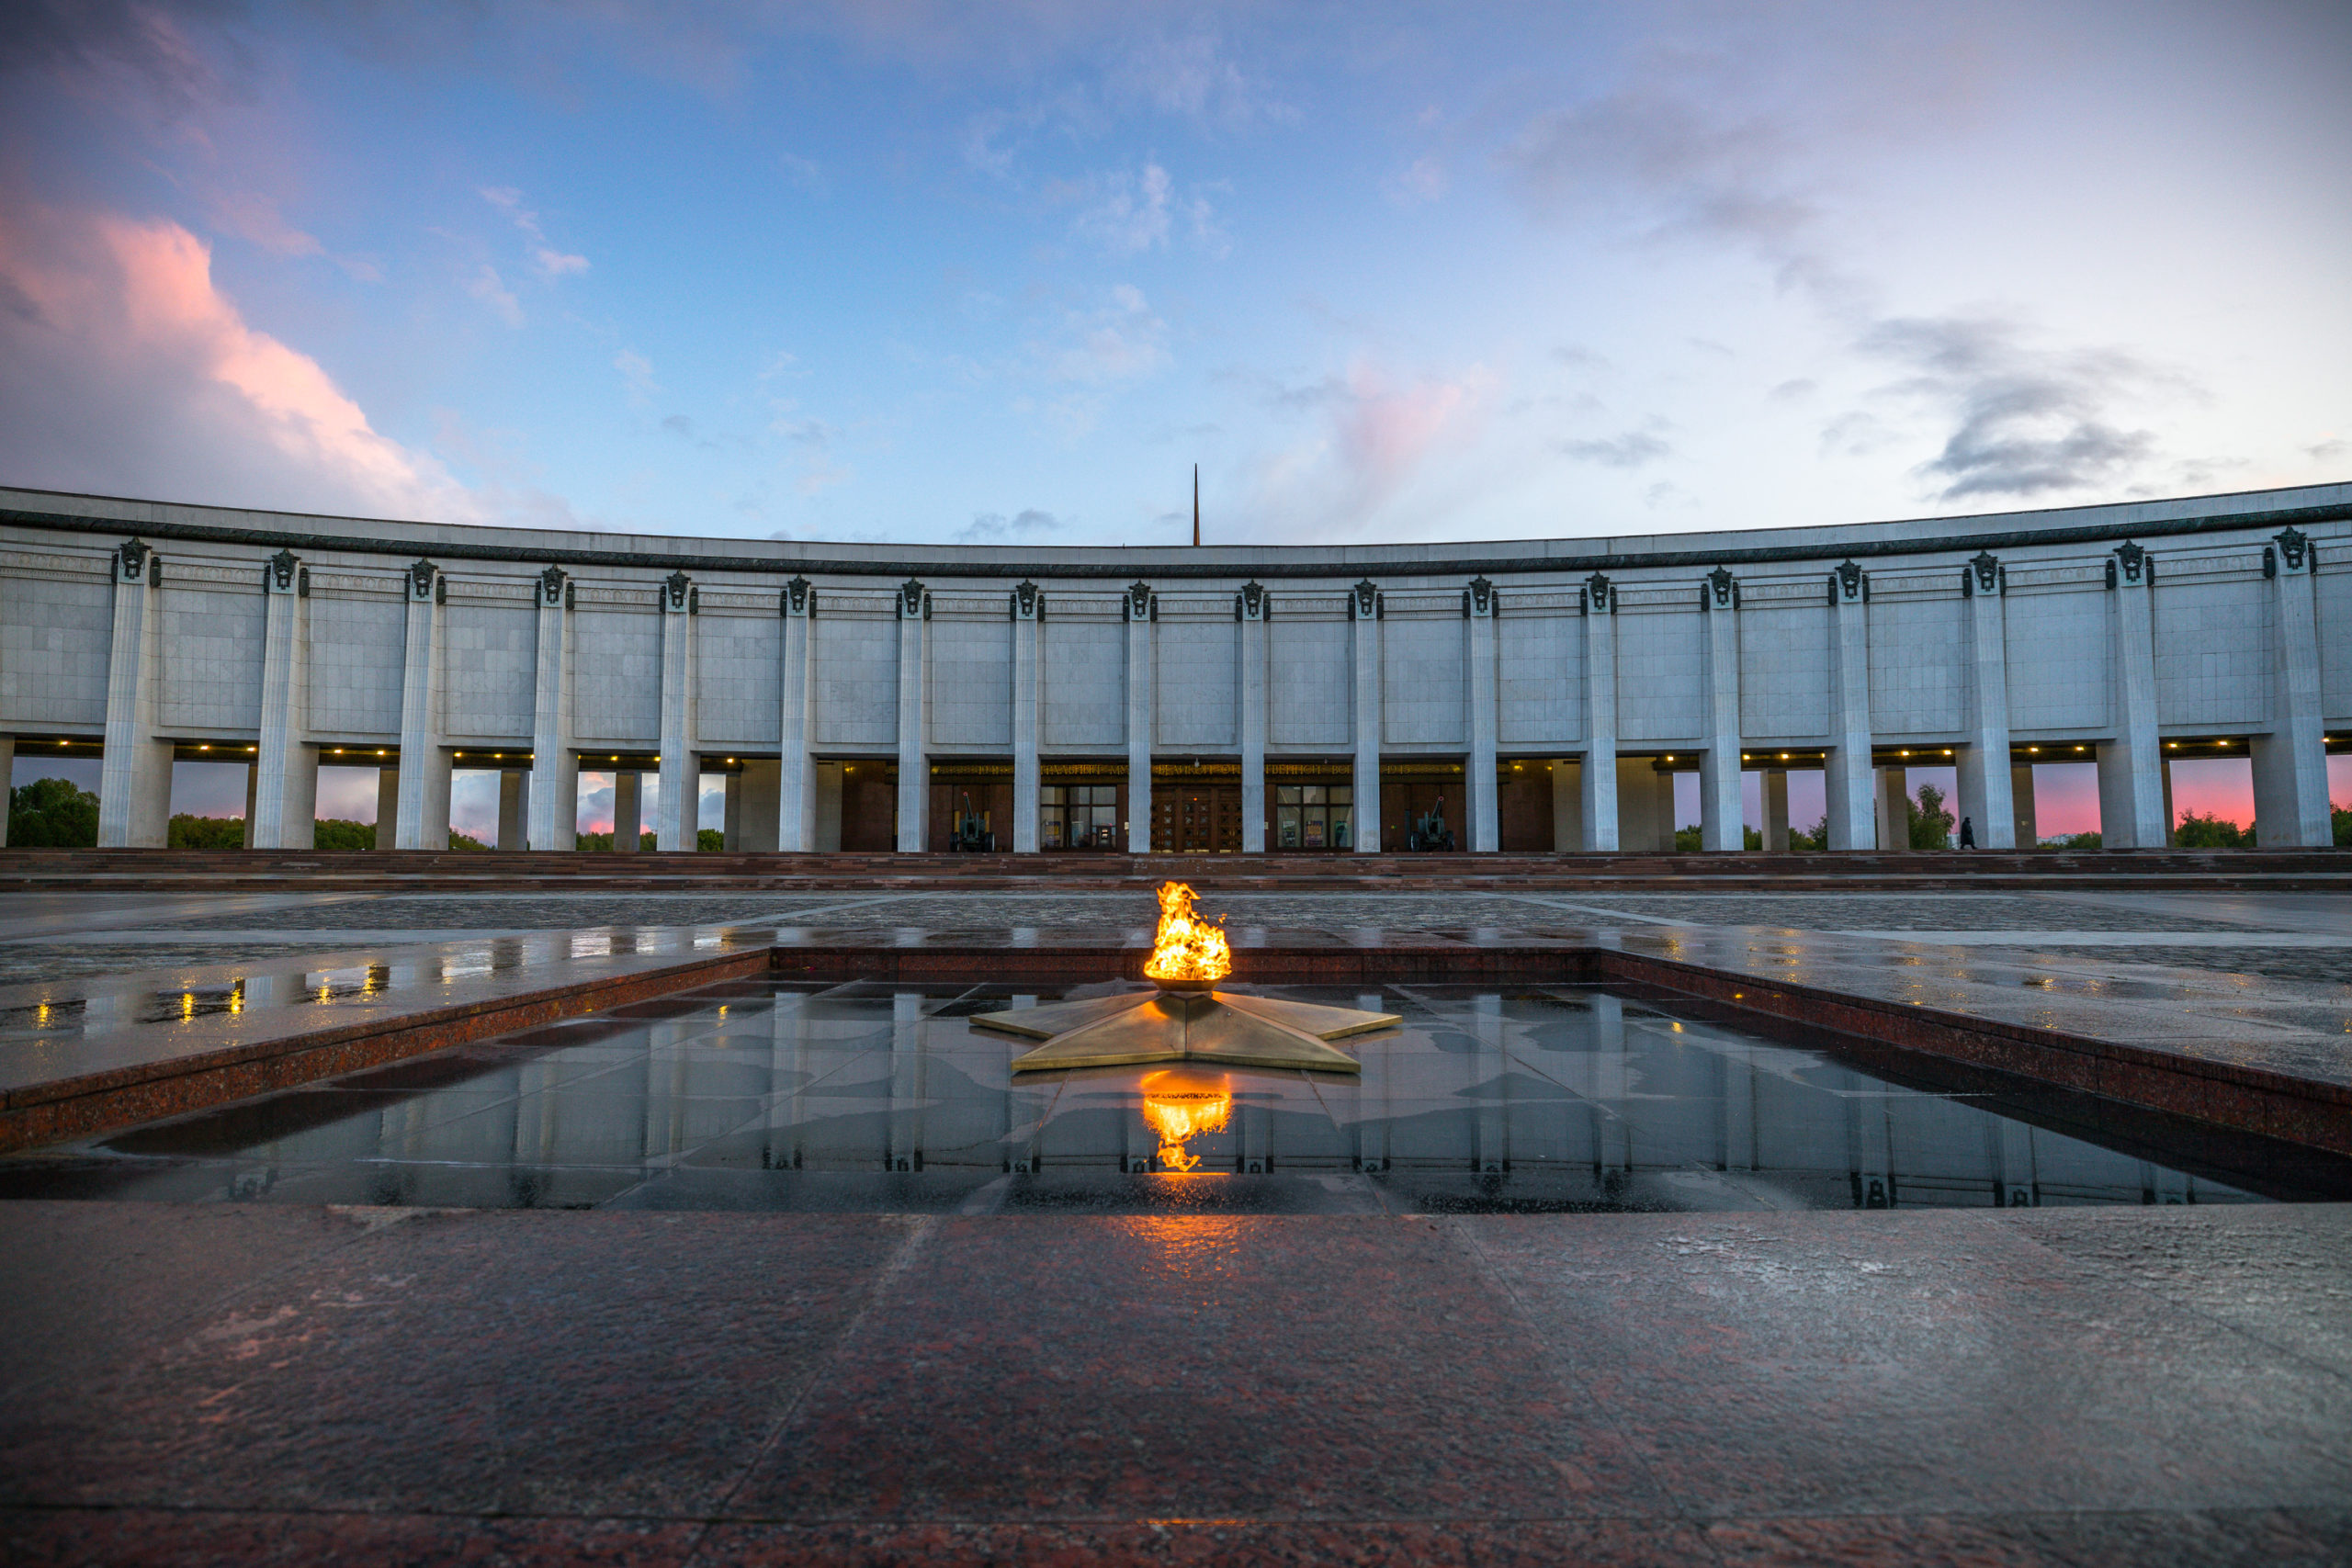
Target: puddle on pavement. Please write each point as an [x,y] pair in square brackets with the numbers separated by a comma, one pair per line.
[760,1094]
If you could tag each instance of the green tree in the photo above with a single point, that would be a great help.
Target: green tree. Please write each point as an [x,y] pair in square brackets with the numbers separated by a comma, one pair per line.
[2073,841]
[338,833]
[464,841]
[1687,840]
[710,839]
[598,843]
[191,832]
[1930,822]
[2343,819]
[2210,832]
[1815,837]
[52,814]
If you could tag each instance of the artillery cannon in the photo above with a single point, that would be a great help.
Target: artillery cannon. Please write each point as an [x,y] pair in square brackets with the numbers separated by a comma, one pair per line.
[971,834]
[1429,831]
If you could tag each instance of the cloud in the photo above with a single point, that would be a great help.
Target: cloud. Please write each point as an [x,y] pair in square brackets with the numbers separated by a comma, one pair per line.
[995,528]
[551,262]
[486,286]
[132,373]
[1126,214]
[1121,340]
[1194,77]
[637,371]
[2029,421]
[1795,391]
[2325,451]
[804,172]
[1370,434]
[255,219]
[149,43]
[1630,450]
[812,441]
[1423,180]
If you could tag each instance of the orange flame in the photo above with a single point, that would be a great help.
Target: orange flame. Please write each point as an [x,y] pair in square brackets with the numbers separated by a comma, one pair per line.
[1179,1117]
[1187,948]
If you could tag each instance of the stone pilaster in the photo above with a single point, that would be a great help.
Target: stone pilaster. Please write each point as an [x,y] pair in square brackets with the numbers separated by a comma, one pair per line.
[286,782]
[1364,610]
[552,818]
[388,805]
[1028,607]
[1721,824]
[759,789]
[1567,805]
[1249,610]
[1143,612]
[1596,810]
[1983,760]
[424,819]
[796,803]
[2131,765]
[1639,828]
[1846,783]
[629,812]
[1478,613]
[2290,804]
[2021,806]
[135,778]
[1775,810]
[680,808]
[914,717]
[1894,807]
[513,795]
[7,781]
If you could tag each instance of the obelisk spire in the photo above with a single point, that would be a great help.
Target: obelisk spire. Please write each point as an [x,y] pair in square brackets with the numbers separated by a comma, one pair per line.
[1196,504]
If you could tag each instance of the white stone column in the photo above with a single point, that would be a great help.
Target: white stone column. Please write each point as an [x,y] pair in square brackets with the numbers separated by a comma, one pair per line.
[730,822]
[2028,830]
[135,777]
[1775,810]
[286,782]
[2290,804]
[1983,760]
[796,801]
[1142,610]
[1596,810]
[677,828]
[629,818]
[7,782]
[1721,824]
[513,794]
[1567,805]
[1249,608]
[1478,611]
[551,819]
[1847,788]
[2131,774]
[1893,807]
[914,682]
[1364,609]
[388,805]
[424,819]
[1028,604]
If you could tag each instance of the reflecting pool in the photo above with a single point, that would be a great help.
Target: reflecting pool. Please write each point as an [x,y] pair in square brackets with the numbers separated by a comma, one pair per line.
[865,1097]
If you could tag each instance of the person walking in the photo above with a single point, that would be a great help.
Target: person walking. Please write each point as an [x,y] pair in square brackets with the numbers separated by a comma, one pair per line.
[1967,834]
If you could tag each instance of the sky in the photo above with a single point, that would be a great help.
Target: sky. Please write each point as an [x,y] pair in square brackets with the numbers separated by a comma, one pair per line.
[927,272]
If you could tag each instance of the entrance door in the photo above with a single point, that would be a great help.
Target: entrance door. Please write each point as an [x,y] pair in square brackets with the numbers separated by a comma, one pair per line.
[1200,820]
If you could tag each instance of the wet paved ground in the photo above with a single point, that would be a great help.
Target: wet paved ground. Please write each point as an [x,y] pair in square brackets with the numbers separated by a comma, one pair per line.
[763,1095]
[267,1383]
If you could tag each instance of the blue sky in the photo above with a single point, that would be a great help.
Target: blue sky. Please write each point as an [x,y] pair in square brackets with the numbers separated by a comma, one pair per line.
[931,272]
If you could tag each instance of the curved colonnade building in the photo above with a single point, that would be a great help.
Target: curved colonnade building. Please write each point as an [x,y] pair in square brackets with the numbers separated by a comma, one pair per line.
[1221,698]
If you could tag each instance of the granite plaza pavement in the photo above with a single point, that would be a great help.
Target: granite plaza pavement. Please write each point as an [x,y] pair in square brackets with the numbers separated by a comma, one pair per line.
[288,1383]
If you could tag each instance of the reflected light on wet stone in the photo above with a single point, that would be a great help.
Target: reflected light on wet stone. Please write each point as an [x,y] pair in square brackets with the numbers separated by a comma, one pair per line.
[1180,1107]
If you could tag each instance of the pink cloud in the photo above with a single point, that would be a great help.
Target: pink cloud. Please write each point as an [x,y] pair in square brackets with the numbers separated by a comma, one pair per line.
[130,371]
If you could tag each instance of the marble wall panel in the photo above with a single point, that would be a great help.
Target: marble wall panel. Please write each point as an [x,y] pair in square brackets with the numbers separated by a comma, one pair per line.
[971,681]
[1660,695]
[213,649]
[2059,661]
[1784,670]
[616,675]
[856,665]
[1539,678]
[2334,602]
[2214,643]
[1310,689]
[489,668]
[54,636]
[358,650]
[1085,681]
[1918,665]
[737,669]
[1196,689]
[1424,680]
